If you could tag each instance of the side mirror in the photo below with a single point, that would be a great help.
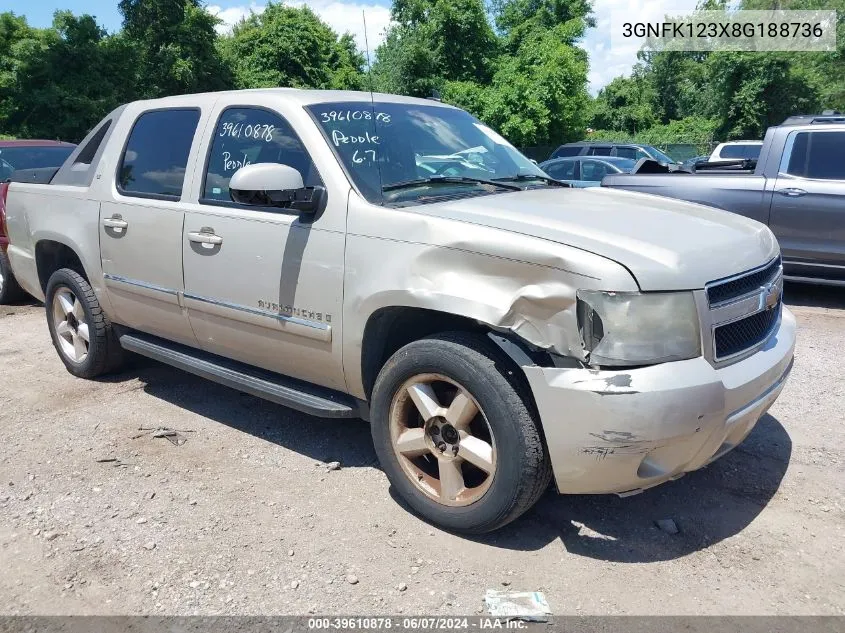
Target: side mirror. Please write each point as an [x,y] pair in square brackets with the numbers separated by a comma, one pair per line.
[275,185]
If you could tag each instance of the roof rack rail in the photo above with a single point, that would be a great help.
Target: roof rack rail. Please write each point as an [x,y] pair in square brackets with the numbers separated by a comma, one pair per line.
[827,116]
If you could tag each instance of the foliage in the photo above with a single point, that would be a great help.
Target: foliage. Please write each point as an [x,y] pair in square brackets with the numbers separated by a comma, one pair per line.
[290,46]
[515,64]
[528,81]
[57,83]
[434,42]
[175,45]
[694,130]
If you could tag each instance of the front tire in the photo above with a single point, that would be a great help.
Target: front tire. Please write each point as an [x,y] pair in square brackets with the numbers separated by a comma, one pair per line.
[82,334]
[10,290]
[454,431]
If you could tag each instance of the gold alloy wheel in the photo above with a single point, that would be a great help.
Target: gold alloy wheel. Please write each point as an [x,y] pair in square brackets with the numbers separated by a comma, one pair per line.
[442,440]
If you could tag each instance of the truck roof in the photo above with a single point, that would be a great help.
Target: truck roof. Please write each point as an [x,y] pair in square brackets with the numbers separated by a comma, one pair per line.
[828,117]
[302,96]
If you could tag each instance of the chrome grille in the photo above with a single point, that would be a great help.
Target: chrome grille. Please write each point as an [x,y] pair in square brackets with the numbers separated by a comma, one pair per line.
[734,338]
[721,291]
[745,309]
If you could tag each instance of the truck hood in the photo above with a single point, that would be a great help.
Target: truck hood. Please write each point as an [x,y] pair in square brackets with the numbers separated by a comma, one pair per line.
[666,244]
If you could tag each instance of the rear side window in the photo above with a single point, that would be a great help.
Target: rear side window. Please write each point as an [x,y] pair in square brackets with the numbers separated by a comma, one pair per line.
[634,153]
[156,155]
[600,151]
[564,170]
[594,171]
[569,150]
[818,155]
[741,151]
[245,136]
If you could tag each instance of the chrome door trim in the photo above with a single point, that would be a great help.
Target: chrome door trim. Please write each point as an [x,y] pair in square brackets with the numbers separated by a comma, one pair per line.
[139,284]
[292,324]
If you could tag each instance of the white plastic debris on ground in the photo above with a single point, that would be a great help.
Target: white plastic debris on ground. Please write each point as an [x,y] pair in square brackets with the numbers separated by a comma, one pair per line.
[522,605]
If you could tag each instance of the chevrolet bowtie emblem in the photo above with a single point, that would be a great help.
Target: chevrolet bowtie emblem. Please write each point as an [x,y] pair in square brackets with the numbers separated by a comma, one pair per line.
[771,295]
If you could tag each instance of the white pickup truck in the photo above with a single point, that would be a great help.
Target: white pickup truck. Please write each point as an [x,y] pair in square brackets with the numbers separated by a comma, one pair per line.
[348,254]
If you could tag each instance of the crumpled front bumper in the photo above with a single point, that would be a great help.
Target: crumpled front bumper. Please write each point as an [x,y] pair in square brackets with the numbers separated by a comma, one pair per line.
[625,431]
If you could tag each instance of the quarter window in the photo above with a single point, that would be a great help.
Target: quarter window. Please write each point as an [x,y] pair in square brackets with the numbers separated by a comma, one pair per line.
[818,155]
[156,155]
[245,136]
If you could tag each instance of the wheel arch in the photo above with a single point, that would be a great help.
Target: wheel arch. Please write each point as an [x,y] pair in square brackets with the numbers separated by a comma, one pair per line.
[390,328]
[52,255]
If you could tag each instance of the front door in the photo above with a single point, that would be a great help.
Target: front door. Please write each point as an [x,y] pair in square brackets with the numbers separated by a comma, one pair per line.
[808,204]
[264,285]
[141,225]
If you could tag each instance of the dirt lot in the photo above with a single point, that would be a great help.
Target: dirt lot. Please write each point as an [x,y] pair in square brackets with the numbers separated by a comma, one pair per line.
[245,518]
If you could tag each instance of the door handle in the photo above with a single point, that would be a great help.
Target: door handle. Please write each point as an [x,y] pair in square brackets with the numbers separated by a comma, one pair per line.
[792,192]
[115,222]
[205,236]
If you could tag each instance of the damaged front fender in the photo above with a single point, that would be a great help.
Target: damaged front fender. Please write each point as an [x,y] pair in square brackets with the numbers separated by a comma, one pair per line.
[507,281]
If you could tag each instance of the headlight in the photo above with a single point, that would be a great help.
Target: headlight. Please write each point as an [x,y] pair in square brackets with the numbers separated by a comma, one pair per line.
[631,328]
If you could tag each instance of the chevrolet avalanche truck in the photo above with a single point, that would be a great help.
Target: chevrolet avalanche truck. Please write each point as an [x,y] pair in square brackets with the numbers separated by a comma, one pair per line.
[796,187]
[496,327]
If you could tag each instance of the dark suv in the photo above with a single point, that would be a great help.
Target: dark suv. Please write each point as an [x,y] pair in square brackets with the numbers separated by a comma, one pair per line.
[633,151]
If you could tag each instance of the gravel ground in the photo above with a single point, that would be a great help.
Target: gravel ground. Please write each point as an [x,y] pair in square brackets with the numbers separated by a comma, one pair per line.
[247,518]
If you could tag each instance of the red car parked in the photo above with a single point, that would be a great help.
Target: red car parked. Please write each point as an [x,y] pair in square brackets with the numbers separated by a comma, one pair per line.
[16,155]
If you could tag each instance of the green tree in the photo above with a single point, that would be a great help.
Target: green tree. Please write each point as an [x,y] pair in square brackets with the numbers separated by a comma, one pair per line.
[626,104]
[291,46]
[756,90]
[433,42]
[58,82]
[176,44]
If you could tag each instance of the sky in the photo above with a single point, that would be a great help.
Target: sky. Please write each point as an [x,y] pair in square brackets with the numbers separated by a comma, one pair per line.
[606,61]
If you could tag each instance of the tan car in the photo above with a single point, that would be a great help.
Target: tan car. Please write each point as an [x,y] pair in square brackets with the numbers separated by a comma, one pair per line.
[348,254]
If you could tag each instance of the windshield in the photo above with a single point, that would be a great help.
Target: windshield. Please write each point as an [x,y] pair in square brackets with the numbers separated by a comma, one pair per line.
[658,155]
[388,143]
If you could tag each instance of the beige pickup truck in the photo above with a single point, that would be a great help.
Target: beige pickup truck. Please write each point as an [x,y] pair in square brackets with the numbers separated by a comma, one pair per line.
[357,255]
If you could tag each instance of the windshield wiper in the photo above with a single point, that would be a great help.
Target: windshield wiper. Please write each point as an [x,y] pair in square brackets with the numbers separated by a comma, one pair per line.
[546,179]
[434,180]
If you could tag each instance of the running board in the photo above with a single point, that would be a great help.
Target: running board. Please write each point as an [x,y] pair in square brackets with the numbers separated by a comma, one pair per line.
[289,392]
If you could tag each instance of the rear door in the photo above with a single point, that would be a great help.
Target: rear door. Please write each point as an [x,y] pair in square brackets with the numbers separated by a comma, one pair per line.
[141,224]
[808,204]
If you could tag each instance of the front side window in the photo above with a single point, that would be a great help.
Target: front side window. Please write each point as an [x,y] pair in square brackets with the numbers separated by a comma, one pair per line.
[397,153]
[246,136]
[563,170]
[156,155]
[818,155]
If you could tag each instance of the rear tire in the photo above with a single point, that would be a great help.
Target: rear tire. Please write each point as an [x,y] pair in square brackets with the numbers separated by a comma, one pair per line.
[10,290]
[82,334]
[453,428]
